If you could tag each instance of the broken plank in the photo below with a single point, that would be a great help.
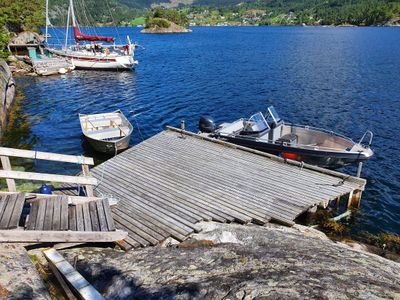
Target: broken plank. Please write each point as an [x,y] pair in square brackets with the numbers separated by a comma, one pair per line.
[94,216]
[101,216]
[64,213]
[17,211]
[86,216]
[48,217]
[72,218]
[107,213]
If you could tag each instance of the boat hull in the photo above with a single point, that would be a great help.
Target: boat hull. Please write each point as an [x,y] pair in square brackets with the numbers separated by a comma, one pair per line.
[321,158]
[96,62]
[107,133]
[109,147]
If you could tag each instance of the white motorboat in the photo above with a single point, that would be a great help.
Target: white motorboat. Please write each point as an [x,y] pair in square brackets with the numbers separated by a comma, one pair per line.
[267,132]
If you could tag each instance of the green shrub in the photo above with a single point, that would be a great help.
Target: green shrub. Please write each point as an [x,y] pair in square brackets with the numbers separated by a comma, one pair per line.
[4,38]
[172,15]
[158,23]
[17,16]
[386,241]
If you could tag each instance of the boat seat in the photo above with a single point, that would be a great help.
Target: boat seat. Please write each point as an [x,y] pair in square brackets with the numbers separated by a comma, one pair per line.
[231,128]
[108,133]
[103,122]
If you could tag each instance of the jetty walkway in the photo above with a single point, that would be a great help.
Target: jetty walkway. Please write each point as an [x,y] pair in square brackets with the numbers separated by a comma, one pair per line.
[170,182]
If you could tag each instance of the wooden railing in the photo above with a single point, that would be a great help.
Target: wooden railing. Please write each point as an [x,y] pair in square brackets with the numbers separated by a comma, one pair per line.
[10,175]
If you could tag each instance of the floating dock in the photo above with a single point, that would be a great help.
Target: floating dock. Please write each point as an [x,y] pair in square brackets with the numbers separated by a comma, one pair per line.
[170,182]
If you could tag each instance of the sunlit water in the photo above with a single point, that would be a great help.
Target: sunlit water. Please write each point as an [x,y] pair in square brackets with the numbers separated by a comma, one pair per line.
[342,79]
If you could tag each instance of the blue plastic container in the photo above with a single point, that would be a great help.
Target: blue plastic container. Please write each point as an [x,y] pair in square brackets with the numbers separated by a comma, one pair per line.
[45,189]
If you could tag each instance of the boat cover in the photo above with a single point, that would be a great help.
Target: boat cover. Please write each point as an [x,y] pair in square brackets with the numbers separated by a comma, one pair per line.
[79,36]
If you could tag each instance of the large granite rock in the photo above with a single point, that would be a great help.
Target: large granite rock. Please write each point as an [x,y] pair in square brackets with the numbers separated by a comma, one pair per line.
[26,37]
[241,262]
[19,278]
[7,93]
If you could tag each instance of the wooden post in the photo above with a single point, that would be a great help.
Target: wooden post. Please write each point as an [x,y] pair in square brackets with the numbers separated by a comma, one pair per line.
[354,198]
[89,188]
[359,169]
[356,201]
[5,161]
[338,202]
[349,201]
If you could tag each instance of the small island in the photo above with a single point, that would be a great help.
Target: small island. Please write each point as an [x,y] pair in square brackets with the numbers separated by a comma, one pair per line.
[162,21]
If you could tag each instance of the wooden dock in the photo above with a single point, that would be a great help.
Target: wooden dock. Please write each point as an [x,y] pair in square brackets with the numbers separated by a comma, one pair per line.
[53,218]
[170,182]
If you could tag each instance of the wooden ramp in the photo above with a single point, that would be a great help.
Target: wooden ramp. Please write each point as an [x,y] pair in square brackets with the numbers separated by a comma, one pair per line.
[53,219]
[168,183]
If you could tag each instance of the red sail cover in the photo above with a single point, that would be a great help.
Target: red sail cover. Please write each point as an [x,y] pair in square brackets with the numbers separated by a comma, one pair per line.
[79,36]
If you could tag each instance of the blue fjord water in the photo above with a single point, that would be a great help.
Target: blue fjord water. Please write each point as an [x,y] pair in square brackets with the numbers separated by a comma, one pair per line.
[342,79]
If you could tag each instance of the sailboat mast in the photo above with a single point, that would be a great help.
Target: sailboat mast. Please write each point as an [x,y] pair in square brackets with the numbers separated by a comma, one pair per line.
[66,33]
[71,5]
[47,21]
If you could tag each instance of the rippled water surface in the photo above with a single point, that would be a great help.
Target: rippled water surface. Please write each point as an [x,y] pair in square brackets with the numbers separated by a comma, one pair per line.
[343,79]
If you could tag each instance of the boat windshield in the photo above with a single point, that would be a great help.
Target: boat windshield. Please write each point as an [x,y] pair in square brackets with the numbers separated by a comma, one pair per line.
[258,122]
[272,114]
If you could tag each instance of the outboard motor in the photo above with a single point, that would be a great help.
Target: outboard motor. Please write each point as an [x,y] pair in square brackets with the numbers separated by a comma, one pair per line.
[207,124]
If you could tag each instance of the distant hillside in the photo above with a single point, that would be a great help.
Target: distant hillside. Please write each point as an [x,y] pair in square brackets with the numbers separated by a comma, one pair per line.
[235,12]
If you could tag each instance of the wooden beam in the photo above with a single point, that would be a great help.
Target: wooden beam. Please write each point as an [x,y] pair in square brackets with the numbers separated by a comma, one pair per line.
[33,236]
[74,200]
[75,159]
[70,277]
[68,293]
[48,177]
[5,162]
[89,188]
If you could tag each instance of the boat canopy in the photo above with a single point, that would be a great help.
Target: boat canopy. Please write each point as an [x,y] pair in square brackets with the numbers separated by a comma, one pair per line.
[79,36]
[256,123]
[272,116]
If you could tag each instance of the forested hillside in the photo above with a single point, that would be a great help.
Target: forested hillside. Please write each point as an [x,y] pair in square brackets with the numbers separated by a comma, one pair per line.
[236,12]
[18,15]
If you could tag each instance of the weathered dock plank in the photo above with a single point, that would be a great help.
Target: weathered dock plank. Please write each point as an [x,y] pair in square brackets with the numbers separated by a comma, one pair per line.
[168,183]
[11,206]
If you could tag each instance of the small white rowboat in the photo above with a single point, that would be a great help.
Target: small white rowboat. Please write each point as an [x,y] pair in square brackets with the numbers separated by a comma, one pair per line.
[106,132]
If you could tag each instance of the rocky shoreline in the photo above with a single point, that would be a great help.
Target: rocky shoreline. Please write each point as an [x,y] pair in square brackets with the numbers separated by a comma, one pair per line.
[173,28]
[229,261]
[7,93]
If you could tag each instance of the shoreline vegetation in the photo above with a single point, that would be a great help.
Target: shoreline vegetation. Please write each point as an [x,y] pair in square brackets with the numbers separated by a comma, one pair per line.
[166,21]
[252,12]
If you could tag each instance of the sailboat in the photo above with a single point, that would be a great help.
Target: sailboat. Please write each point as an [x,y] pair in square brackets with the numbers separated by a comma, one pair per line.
[91,54]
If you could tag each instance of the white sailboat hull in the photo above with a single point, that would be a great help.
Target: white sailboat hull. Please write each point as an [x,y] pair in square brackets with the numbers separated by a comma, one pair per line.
[97,61]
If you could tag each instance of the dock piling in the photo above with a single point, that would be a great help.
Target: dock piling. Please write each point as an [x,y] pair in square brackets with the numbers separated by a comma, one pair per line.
[359,169]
